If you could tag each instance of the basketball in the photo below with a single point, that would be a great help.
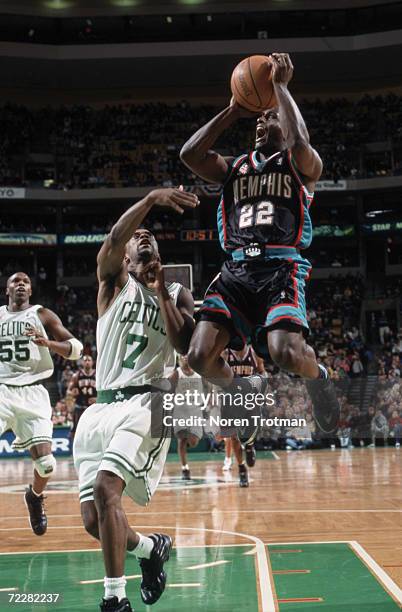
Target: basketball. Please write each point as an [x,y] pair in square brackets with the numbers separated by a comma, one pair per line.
[251,83]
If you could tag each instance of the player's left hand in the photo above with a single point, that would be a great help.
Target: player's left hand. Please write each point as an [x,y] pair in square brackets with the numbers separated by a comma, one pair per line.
[282,68]
[154,275]
[37,337]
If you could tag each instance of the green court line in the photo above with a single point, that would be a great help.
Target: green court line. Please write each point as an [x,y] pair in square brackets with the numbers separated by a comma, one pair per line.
[337,575]
[227,587]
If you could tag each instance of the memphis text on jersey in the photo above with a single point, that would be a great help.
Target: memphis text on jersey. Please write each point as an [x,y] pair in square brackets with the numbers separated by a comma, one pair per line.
[271,184]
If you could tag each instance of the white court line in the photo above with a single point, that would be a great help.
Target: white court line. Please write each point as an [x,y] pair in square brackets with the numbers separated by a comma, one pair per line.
[250,552]
[266,585]
[184,584]
[253,511]
[9,589]
[275,455]
[98,550]
[292,542]
[203,565]
[378,572]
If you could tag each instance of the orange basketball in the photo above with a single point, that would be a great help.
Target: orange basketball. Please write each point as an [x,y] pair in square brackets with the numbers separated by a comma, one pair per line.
[251,83]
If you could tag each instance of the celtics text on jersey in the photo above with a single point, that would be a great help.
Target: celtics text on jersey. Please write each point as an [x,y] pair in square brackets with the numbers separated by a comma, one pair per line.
[22,362]
[133,347]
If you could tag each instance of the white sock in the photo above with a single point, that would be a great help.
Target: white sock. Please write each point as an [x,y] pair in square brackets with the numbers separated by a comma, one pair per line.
[115,587]
[144,548]
[185,467]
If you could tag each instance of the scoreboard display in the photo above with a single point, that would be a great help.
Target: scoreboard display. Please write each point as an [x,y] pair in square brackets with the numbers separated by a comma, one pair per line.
[201,235]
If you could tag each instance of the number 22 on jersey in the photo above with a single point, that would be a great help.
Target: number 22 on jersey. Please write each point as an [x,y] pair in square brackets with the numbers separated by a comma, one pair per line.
[256,214]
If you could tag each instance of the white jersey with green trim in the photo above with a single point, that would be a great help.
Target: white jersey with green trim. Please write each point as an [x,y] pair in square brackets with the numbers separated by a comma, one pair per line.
[22,362]
[133,347]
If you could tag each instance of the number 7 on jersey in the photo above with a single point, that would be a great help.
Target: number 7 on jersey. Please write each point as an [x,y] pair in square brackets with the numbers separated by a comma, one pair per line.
[129,361]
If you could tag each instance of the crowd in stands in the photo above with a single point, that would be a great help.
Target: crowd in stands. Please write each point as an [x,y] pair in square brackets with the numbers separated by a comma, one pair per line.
[138,145]
[334,312]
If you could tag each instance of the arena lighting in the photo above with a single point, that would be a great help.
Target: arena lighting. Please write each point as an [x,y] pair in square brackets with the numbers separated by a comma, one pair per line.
[191,2]
[374,213]
[59,4]
[125,3]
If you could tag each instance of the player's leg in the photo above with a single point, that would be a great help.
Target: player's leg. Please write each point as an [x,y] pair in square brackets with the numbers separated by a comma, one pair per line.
[290,351]
[90,520]
[112,522]
[191,440]
[77,413]
[44,466]
[227,462]
[137,459]
[182,449]
[287,347]
[33,429]
[209,340]
[238,453]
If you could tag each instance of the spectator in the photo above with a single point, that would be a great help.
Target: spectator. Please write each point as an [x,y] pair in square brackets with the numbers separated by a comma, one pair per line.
[379,427]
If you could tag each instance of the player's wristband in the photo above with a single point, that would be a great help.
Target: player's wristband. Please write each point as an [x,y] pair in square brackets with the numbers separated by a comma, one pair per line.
[76,349]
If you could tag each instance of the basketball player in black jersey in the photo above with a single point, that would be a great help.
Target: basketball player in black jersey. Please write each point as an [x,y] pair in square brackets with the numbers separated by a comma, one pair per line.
[242,363]
[83,387]
[264,223]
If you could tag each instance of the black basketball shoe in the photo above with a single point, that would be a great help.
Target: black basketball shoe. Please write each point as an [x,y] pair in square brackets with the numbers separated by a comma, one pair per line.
[250,384]
[185,474]
[326,408]
[251,455]
[114,605]
[243,476]
[36,509]
[153,576]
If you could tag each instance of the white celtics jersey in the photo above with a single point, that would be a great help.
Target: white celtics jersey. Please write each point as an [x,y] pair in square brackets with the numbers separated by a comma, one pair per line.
[21,361]
[133,347]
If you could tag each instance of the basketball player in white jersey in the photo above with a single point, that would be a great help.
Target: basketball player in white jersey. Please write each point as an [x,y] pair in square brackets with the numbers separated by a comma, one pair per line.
[141,322]
[185,379]
[25,362]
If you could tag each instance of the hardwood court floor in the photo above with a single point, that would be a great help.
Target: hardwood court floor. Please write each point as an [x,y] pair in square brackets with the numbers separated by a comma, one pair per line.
[347,502]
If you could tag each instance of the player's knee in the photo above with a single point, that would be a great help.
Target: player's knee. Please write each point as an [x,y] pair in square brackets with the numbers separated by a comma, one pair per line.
[45,466]
[192,440]
[105,497]
[199,359]
[286,357]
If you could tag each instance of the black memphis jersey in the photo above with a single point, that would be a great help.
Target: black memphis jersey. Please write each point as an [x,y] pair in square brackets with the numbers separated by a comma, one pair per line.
[86,385]
[246,366]
[264,201]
